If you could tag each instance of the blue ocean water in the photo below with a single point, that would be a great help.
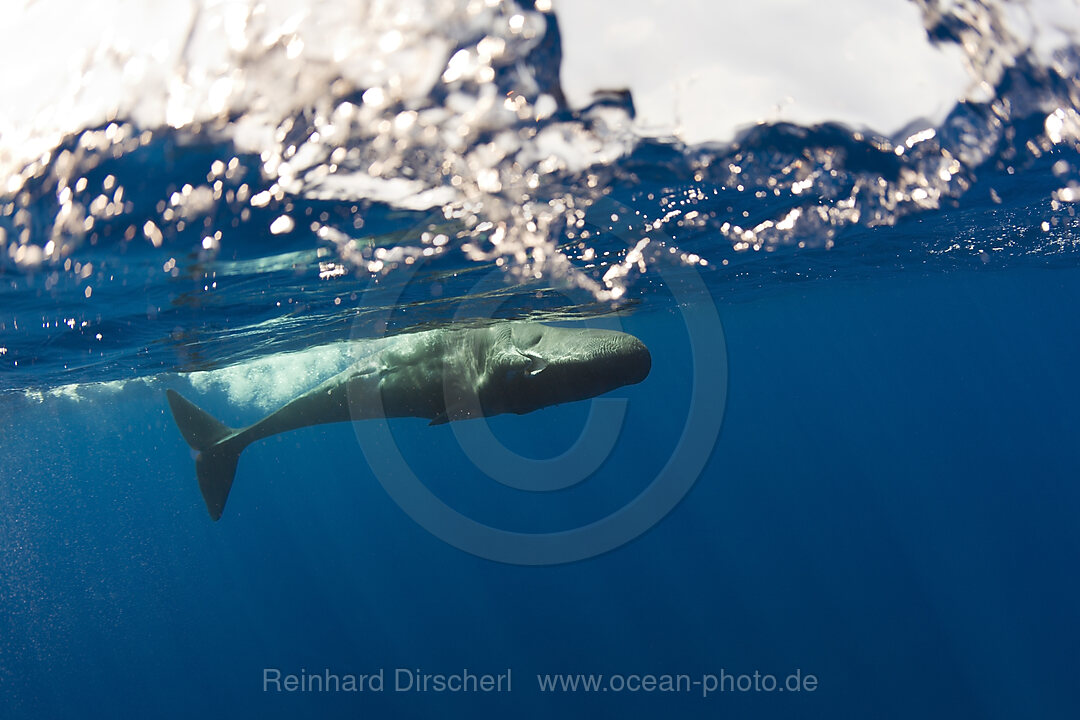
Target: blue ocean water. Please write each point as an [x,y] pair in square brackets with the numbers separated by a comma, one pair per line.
[888,507]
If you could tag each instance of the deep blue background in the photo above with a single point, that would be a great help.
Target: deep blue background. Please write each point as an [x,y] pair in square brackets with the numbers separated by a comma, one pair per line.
[891,506]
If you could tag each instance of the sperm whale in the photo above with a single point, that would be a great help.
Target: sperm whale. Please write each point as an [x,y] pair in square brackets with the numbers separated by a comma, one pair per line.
[444,375]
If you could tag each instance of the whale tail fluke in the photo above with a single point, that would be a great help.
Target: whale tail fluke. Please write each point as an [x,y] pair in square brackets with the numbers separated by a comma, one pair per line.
[216,469]
[218,455]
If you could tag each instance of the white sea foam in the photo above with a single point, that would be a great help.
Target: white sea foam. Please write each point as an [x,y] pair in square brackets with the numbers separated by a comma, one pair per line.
[262,384]
[268,382]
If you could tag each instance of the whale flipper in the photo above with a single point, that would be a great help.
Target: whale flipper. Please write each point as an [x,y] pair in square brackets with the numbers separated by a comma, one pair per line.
[215,464]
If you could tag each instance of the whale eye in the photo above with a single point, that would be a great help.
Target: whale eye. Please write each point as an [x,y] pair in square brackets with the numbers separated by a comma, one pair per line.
[536,365]
[525,365]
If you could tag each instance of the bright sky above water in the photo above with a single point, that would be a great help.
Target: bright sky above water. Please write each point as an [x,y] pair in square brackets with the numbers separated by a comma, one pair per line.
[704,69]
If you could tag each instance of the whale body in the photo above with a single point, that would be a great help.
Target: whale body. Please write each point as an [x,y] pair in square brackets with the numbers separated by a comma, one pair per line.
[443,375]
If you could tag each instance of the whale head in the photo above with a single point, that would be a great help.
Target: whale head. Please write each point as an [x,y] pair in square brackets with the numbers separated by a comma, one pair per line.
[538,366]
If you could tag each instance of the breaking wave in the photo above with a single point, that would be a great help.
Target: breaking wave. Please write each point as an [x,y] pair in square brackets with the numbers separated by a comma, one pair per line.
[257,161]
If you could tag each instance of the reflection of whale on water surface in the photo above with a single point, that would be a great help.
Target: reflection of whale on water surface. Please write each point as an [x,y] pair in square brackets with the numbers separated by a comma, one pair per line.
[442,375]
